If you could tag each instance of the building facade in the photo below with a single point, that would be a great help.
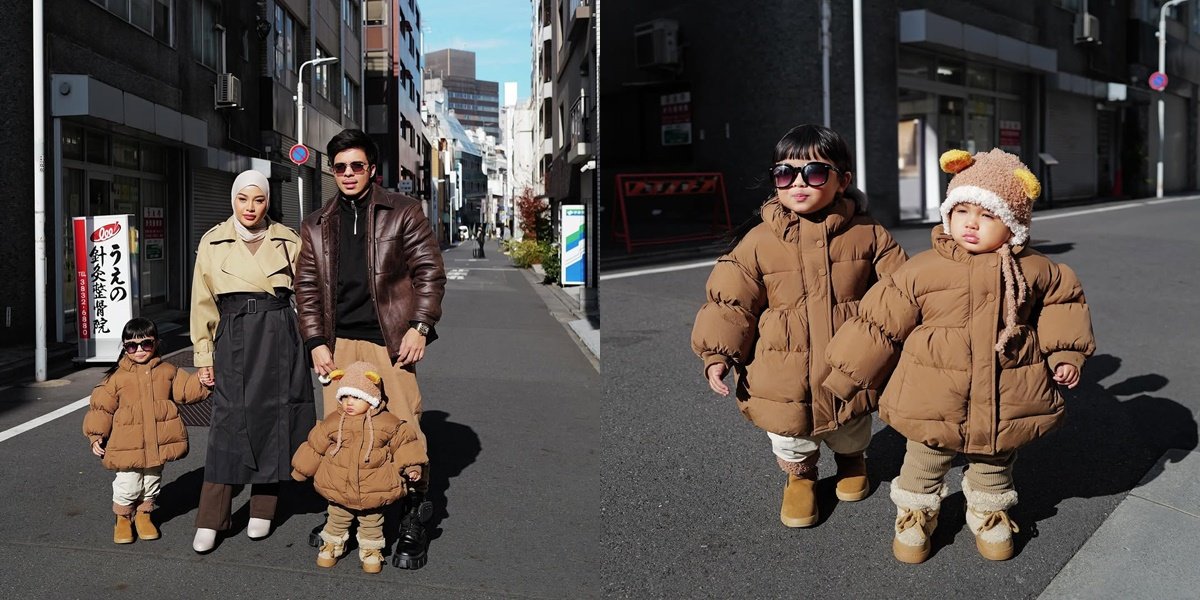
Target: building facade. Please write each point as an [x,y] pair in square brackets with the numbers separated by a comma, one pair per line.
[475,102]
[393,92]
[153,108]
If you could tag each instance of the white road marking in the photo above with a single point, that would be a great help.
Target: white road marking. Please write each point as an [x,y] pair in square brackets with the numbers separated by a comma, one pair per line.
[683,267]
[457,274]
[46,418]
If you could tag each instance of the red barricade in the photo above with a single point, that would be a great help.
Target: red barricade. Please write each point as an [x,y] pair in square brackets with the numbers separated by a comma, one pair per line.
[641,185]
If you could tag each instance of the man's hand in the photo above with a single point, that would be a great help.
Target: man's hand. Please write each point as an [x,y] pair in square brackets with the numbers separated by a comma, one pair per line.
[206,376]
[96,449]
[322,360]
[1066,374]
[716,372]
[412,348]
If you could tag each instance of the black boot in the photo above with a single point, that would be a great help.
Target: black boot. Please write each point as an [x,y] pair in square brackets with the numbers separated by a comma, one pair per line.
[412,547]
[314,536]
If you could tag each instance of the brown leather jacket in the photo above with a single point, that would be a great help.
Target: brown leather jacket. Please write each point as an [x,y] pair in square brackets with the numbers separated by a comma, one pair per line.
[408,279]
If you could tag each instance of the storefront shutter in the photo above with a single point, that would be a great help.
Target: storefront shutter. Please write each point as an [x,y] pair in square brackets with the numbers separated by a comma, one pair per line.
[210,200]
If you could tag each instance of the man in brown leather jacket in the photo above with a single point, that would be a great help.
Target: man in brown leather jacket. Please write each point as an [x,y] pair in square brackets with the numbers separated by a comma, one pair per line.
[369,285]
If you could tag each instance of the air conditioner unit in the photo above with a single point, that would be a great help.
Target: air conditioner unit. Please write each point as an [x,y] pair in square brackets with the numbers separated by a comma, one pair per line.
[228,91]
[656,43]
[1087,29]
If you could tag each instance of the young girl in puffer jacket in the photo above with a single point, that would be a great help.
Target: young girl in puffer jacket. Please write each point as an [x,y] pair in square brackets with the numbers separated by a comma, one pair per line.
[775,300]
[361,458]
[133,426]
[982,328]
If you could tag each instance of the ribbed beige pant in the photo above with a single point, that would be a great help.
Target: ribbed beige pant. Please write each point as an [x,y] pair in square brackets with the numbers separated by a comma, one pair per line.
[925,467]
[370,522]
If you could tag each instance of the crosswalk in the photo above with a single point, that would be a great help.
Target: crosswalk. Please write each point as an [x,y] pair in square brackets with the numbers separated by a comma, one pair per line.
[457,274]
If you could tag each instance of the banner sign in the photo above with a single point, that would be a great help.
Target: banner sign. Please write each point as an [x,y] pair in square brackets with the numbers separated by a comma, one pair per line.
[572,246]
[104,283]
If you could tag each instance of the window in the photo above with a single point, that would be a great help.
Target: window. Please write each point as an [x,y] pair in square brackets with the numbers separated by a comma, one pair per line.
[151,16]
[350,99]
[377,11]
[351,14]
[285,42]
[321,75]
[205,18]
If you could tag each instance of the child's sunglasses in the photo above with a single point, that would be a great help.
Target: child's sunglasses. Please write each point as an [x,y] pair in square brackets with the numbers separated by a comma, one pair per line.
[813,174]
[145,345]
[356,166]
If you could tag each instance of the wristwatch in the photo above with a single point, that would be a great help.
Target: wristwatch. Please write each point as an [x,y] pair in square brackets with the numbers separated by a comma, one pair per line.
[421,328]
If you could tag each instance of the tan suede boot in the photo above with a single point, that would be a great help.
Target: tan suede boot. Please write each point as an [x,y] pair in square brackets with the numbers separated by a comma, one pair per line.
[141,521]
[916,518]
[123,530]
[852,484]
[987,516]
[332,548]
[370,553]
[799,498]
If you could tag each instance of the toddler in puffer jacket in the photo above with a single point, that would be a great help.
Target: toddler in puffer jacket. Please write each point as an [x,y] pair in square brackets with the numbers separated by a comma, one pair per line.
[978,331]
[361,458]
[790,280]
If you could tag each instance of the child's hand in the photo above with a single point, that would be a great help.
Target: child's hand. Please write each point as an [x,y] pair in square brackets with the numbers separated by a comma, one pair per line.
[716,372]
[1066,374]
[96,449]
[413,473]
[206,376]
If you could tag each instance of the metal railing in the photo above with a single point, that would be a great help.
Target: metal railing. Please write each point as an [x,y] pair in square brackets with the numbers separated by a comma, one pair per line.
[581,121]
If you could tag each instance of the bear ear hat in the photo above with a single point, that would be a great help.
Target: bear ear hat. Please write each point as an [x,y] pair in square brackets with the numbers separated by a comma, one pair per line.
[373,377]
[1030,183]
[954,161]
[333,375]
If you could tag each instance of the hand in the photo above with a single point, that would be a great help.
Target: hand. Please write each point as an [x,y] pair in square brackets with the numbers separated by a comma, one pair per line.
[96,449]
[412,348]
[322,360]
[1066,374]
[206,375]
[413,473]
[716,372]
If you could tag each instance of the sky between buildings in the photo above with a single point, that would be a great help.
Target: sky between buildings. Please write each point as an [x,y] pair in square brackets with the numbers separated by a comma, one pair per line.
[497,31]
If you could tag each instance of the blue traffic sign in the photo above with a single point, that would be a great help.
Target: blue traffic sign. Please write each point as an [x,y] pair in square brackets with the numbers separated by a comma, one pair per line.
[1158,81]
[298,154]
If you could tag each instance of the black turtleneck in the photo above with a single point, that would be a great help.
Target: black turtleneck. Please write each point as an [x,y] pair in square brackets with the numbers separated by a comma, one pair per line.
[356,317]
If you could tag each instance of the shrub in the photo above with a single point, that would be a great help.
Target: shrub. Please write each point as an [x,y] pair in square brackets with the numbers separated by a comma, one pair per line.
[551,262]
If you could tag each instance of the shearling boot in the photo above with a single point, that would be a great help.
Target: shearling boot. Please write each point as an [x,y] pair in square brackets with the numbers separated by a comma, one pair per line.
[123,530]
[370,553]
[852,484]
[332,549]
[916,518]
[987,516]
[799,507]
[141,521]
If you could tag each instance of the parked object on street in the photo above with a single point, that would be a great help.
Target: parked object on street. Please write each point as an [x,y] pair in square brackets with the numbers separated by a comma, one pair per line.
[976,378]
[134,427]
[790,278]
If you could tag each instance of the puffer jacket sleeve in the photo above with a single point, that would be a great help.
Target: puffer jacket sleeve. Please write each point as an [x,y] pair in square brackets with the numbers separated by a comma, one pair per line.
[98,422]
[204,314]
[727,325]
[187,389]
[308,456]
[1064,327]
[889,256]
[425,265]
[406,448]
[865,350]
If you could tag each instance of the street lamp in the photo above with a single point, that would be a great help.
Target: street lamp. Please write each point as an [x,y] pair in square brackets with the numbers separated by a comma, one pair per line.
[300,118]
[1162,68]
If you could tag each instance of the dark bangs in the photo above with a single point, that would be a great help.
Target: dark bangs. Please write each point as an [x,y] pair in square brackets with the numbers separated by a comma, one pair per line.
[808,142]
[138,328]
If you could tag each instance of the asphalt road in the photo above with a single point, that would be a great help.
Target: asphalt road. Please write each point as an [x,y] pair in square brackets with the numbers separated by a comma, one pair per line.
[690,491]
[511,406]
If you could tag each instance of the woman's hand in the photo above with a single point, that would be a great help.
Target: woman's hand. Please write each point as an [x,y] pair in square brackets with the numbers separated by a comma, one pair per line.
[322,360]
[96,449]
[206,376]
[716,372]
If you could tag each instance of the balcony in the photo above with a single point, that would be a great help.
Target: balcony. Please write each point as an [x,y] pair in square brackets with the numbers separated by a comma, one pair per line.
[548,146]
[581,15]
[579,142]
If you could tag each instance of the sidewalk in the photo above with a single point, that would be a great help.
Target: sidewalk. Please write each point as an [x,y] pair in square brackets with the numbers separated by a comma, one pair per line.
[1147,546]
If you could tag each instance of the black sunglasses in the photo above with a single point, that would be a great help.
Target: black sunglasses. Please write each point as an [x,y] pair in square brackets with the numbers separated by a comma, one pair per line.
[357,166]
[146,345]
[813,174]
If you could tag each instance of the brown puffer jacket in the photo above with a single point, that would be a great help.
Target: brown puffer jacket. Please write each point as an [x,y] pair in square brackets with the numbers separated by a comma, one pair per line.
[364,471]
[134,410]
[940,316]
[775,301]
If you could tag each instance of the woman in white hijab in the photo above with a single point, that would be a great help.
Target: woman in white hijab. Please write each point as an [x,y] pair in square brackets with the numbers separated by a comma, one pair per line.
[248,346]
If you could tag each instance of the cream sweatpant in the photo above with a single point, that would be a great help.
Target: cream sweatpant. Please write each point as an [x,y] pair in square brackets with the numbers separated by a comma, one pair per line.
[851,438]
